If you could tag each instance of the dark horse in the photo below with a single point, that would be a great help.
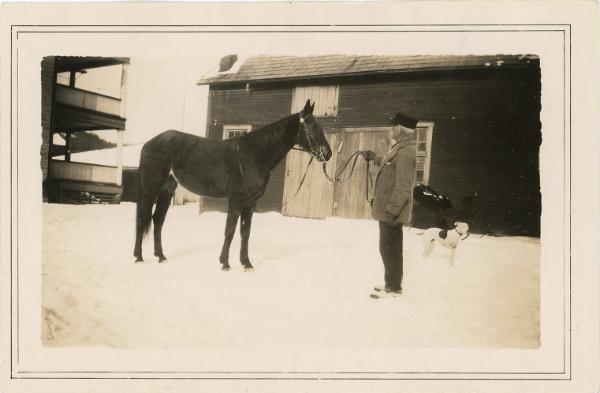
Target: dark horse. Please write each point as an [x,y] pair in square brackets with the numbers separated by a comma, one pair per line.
[236,168]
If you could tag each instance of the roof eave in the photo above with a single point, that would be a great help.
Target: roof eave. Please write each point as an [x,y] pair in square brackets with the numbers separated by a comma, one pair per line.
[211,82]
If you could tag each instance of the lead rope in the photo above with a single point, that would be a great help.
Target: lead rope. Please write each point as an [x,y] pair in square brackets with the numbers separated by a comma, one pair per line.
[312,156]
[303,176]
[338,177]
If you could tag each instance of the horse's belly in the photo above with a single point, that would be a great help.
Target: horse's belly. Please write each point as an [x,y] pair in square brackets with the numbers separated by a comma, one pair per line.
[202,185]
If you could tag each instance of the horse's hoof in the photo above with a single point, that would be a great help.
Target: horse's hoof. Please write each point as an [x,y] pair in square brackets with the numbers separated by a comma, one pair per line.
[161,258]
[248,269]
[139,259]
[225,268]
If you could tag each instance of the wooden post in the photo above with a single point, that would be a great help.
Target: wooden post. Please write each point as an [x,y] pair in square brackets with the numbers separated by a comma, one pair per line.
[68,146]
[120,133]
[119,178]
[123,94]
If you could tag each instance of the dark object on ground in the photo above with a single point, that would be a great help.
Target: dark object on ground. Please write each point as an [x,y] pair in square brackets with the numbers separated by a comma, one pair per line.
[430,199]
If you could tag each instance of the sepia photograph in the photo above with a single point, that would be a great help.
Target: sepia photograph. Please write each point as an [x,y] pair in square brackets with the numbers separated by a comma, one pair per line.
[297,197]
[361,183]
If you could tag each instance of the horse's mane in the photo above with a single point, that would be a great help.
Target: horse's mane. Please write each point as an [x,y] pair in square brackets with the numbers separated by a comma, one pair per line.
[265,135]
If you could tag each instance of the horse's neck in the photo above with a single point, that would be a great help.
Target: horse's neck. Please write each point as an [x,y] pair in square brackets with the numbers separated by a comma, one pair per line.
[271,143]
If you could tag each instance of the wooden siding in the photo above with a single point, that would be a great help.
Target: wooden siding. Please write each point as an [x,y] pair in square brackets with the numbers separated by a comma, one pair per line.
[350,198]
[485,142]
[314,199]
[47,76]
[72,118]
[83,172]
[87,100]
[256,106]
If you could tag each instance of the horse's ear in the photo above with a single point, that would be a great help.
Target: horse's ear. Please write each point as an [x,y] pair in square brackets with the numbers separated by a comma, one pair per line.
[306,107]
[312,107]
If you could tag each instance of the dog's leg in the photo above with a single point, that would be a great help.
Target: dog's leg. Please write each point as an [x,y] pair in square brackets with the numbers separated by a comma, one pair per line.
[452,252]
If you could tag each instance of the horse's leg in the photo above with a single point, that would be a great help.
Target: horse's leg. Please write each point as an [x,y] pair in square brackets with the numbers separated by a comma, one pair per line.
[232,219]
[143,220]
[160,212]
[245,225]
[158,218]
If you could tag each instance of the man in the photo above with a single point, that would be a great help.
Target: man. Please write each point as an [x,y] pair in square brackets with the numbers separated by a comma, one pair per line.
[393,199]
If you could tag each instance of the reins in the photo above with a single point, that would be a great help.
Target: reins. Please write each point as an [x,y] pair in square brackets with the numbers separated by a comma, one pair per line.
[337,179]
[302,127]
[303,176]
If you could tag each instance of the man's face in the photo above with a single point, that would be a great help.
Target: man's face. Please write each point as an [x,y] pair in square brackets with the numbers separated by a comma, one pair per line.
[398,131]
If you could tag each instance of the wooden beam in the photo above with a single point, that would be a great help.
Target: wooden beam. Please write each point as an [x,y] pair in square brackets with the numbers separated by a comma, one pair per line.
[58,150]
[71,118]
[119,178]
[123,95]
[68,145]
[76,63]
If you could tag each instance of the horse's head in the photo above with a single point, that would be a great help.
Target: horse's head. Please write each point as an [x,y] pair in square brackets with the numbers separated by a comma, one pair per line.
[311,136]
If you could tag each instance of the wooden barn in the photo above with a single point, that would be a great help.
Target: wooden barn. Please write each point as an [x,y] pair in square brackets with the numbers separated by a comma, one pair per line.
[477,142]
[71,107]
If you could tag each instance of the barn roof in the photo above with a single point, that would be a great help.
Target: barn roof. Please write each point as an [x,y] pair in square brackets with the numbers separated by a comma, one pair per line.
[272,68]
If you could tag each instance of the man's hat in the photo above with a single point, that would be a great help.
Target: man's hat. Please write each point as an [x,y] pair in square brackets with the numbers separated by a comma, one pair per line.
[404,121]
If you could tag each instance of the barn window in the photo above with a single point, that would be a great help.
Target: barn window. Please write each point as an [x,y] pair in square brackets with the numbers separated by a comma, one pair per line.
[423,135]
[325,98]
[231,130]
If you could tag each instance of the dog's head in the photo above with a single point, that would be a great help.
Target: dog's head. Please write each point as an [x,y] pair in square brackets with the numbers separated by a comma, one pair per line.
[461,227]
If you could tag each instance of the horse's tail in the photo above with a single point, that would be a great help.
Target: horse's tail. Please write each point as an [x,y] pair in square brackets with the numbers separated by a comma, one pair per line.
[143,218]
[143,221]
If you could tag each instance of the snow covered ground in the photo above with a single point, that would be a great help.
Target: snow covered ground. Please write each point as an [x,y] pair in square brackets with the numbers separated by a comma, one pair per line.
[310,287]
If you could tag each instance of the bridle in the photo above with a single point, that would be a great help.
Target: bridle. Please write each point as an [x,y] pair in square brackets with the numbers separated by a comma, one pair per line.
[337,178]
[302,127]
[313,154]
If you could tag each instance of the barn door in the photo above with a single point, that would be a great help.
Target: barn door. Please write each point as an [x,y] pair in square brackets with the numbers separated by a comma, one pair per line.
[350,196]
[315,197]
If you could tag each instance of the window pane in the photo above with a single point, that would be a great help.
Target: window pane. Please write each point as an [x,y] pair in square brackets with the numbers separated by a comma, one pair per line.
[234,130]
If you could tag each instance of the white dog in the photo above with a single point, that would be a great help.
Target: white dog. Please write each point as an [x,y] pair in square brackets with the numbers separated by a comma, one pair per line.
[449,238]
